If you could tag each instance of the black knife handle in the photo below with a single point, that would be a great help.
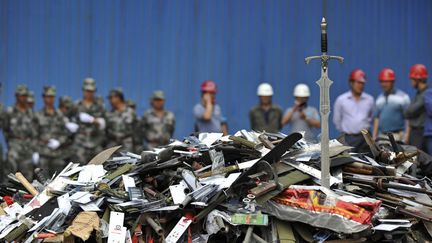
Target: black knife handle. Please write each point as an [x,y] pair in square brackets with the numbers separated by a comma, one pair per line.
[324,36]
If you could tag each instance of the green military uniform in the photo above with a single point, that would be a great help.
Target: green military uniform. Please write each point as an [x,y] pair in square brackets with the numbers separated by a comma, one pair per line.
[90,136]
[266,120]
[20,135]
[30,100]
[70,112]
[52,135]
[157,130]
[121,125]
[67,109]
[2,160]
[137,138]
[130,103]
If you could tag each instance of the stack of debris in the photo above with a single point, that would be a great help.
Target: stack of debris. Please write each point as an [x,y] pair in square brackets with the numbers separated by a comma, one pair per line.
[249,187]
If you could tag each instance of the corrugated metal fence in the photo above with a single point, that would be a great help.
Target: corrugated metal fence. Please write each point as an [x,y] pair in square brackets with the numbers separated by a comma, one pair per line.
[174,45]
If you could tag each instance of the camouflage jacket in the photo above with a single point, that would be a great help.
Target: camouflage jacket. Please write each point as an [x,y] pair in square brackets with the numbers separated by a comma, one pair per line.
[120,127]
[90,135]
[18,126]
[50,126]
[157,130]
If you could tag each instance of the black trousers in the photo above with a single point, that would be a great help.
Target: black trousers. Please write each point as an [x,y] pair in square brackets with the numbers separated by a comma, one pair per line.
[358,142]
[417,138]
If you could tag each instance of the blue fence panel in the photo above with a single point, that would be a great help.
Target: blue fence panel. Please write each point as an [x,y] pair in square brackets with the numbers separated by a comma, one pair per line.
[175,45]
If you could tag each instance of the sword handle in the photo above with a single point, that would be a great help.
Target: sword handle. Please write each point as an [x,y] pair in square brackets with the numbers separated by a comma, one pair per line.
[323,36]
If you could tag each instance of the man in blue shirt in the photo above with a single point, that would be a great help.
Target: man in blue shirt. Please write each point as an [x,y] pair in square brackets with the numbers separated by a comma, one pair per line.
[390,107]
[301,117]
[208,114]
[353,111]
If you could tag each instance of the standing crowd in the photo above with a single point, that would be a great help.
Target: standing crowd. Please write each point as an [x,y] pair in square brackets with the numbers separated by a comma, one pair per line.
[409,121]
[77,131]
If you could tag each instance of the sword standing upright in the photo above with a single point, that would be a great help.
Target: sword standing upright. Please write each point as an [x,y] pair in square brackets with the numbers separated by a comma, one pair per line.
[324,83]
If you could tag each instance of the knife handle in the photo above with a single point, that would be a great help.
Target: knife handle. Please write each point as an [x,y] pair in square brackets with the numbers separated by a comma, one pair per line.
[323,36]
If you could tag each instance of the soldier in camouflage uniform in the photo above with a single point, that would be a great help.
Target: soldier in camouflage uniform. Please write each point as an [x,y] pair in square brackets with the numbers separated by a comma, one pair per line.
[137,137]
[121,122]
[90,116]
[30,100]
[52,133]
[20,135]
[2,160]
[67,108]
[130,103]
[157,124]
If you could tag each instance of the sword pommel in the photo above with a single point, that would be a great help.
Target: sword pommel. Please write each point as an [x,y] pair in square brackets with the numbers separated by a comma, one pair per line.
[323,36]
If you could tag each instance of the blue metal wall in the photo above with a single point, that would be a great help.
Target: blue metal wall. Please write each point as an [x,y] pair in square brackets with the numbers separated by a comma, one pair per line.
[174,45]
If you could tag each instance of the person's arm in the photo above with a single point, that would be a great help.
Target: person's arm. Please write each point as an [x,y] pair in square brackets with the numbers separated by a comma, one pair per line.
[64,132]
[376,120]
[280,116]
[428,102]
[371,111]
[407,132]
[224,128]
[289,114]
[6,125]
[252,120]
[414,109]
[314,120]
[405,107]
[208,105]
[205,111]
[375,128]
[337,115]
[172,126]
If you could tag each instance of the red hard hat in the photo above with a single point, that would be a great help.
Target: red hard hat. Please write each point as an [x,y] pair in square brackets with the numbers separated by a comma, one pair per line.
[418,71]
[357,75]
[208,86]
[386,74]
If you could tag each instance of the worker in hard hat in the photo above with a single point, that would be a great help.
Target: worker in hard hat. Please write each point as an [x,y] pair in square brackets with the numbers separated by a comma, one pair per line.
[301,116]
[208,115]
[353,111]
[390,107]
[416,111]
[265,116]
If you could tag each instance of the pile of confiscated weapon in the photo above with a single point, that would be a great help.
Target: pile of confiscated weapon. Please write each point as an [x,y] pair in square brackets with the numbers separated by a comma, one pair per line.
[248,187]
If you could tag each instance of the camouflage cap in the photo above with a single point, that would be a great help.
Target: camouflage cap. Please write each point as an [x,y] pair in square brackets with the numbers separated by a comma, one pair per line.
[30,97]
[49,91]
[65,100]
[115,92]
[89,84]
[130,103]
[158,94]
[21,90]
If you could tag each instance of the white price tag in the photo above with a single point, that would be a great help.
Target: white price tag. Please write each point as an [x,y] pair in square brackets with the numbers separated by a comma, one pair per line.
[178,230]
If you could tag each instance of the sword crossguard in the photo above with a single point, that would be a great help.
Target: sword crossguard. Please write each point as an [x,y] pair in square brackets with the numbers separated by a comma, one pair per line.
[324,59]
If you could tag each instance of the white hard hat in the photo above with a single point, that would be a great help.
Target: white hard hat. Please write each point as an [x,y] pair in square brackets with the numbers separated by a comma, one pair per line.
[301,90]
[265,89]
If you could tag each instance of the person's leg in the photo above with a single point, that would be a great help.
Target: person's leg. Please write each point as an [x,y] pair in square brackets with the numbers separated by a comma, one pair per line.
[356,141]
[417,139]
[429,144]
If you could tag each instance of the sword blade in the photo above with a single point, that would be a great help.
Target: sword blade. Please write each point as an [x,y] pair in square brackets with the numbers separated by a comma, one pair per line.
[324,83]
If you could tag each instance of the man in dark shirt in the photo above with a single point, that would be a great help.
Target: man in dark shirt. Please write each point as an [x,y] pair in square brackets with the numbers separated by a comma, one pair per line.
[415,113]
[266,116]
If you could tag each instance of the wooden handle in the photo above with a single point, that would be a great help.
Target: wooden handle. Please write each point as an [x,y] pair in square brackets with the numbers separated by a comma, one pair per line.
[30,188]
